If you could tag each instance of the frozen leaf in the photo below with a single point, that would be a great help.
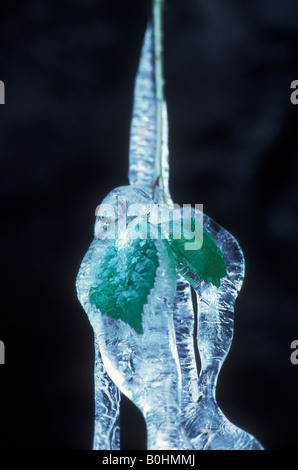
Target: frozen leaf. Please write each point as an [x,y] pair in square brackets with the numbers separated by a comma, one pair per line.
[124,279]
[204,259]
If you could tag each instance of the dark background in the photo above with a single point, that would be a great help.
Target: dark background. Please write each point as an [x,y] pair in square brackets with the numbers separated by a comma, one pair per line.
[69,68]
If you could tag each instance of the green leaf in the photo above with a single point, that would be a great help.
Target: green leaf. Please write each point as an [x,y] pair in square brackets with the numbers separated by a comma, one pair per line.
[124,279]
[206,260]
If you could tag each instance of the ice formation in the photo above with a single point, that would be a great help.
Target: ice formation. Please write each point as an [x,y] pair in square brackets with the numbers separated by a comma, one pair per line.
[106,393]
[205,424]
[157,369]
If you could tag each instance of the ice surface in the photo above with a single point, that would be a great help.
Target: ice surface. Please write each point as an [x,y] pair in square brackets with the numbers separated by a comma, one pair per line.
[143,130]
[205,423]
[142,146]
[203,419]
[157,370]
[143,366]
[107,397]
[141,174]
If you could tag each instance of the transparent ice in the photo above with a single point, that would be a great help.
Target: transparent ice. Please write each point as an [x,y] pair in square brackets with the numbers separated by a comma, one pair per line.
[145,367]
[205,424]
[106,393]
[172,397]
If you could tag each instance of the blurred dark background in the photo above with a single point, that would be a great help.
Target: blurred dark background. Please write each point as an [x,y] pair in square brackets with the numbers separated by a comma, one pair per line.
[69,69]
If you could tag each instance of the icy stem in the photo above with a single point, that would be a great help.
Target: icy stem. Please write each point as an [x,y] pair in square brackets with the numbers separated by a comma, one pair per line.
[142,174]
[143,123]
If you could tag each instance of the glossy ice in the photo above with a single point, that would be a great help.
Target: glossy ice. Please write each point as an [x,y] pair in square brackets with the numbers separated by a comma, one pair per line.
[107,395]
[205,423]
[203,420]
[143,366]
[146,368]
